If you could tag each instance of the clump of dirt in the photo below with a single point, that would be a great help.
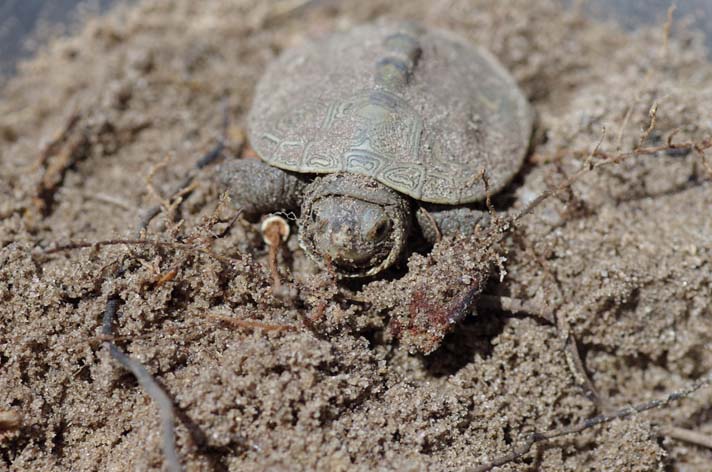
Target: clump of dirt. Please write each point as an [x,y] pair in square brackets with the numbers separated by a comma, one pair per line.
[319,375]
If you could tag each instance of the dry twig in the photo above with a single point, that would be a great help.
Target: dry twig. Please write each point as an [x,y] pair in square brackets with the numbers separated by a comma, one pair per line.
[626,412]
[144,377]
[667,27]
[150,386]
[53,145]
[509,224]
[185,186]
[606,159]
[652,113]
[686,435]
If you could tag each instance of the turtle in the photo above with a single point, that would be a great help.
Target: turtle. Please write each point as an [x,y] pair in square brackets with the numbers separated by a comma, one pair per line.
[378,133]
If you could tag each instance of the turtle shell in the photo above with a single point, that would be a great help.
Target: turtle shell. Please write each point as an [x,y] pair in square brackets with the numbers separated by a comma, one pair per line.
[416,108]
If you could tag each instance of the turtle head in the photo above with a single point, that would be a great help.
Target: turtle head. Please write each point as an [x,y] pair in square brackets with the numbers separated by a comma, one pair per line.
[353,224]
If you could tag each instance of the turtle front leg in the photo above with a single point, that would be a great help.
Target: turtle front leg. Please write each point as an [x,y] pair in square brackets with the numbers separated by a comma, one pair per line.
[436,221]
[257,188]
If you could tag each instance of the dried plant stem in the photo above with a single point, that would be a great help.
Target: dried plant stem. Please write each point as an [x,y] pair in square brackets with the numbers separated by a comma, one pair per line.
[143,376]
[54,144]
[185,186]
[150,386]
[626,412]
[608,159]
[686,435]
[509,224]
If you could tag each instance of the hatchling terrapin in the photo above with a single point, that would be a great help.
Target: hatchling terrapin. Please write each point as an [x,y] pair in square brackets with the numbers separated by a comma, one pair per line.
[375,132]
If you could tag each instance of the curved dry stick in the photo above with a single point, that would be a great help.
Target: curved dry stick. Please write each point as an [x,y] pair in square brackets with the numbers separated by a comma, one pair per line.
[143,376]
[537,437]
[512,222]
[608,159]
[686,435]
[149,384]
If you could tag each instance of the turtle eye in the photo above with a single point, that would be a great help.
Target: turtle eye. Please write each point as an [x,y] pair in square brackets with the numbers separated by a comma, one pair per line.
[380,230]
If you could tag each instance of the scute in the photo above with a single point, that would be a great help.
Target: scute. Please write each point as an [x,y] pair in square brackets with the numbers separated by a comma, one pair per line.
[426,132]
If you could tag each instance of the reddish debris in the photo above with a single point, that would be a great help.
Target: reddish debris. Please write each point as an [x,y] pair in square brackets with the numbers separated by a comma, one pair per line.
[429,319]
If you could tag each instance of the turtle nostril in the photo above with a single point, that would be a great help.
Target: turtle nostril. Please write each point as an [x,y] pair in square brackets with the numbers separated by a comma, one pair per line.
[380,230]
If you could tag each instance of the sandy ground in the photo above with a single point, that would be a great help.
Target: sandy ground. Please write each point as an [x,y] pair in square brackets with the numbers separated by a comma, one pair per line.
[622,259]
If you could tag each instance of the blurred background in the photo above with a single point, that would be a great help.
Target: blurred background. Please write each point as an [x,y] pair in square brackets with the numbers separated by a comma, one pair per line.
[26,24]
